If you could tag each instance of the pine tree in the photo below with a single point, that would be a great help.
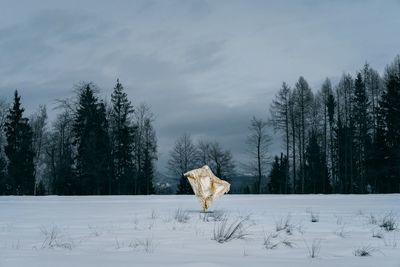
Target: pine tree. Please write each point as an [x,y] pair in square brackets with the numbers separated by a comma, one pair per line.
[184,187]
[316,171]
[123,140]
[377,160]
[390,112]
[274,177]
[361,130]
[92,143]
[277,176]
[345,134]
[19,151]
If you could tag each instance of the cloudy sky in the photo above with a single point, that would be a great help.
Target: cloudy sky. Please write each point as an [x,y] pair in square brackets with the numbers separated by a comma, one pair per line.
[205,67]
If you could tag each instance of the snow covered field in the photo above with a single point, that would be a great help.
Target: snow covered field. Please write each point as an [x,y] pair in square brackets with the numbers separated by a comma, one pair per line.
[171,231]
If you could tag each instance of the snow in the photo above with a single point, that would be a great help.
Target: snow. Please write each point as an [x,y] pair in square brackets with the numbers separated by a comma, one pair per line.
[143,231]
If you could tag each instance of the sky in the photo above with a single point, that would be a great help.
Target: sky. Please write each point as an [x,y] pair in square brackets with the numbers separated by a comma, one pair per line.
[205,67]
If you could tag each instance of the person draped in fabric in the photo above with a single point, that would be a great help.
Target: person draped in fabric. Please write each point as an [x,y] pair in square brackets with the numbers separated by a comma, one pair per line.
[206,186]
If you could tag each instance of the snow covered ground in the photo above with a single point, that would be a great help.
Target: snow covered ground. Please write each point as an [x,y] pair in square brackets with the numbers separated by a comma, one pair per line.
[171,231]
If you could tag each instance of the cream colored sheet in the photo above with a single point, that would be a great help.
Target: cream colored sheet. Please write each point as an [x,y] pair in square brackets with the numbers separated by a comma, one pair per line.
[206,186]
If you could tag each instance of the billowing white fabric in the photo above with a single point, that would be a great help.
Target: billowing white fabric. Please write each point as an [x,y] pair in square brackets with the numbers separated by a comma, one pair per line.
[206,186]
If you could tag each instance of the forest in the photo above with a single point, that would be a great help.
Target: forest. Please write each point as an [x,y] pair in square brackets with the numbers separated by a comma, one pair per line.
[340,138]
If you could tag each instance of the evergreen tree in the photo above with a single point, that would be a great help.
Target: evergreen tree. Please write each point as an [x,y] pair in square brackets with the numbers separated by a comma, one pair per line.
[345,135]
[122,139]
[19,151]
[184,187]
[390,112]
[361,130]
[316,171]
[377,158]
[92,143]
[277,175]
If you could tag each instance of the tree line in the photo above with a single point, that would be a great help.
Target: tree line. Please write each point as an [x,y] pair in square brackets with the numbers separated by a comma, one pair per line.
[92,147]
[340,139]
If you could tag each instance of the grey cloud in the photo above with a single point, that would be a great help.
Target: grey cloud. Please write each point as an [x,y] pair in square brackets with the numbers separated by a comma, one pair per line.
[205,67]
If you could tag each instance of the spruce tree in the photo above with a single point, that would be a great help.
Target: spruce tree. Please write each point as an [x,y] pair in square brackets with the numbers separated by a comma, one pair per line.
[316,171]
[275,177]
[19,151]
[123,140]
[390,112]
[92,143]
[361,129]
[184,187]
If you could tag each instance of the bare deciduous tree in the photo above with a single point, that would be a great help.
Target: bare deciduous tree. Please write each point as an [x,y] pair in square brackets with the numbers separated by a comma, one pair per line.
[38,123]
[184,156]
[280,118]
[258,142]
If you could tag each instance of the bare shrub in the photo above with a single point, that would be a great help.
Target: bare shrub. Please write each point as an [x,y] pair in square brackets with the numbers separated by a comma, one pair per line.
[389,222]
[339,220]
[314,249]
[269,242]
[314,217]
[216,216]
[287,242]
[364,251]
[181,216]
[377,234]
[390,242]
[118,245]
[341,232]
[153,215]
[284,224]
[148,245]
[53,239]
[225,231]
[372,219]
